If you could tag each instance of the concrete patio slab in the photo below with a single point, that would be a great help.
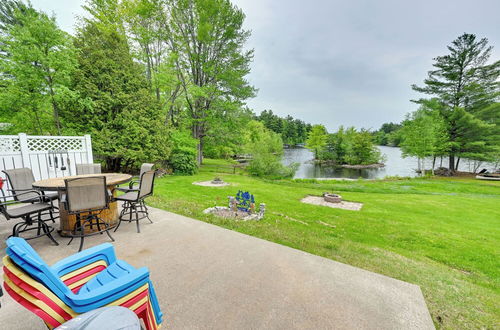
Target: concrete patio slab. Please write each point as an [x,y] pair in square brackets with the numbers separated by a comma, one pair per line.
[207,277]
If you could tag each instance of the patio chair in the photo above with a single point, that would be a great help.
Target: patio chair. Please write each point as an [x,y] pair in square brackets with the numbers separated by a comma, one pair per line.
[133,200]
[85,198]
[21,180]
[80,283]
[30,214]
[88,169]
[134,182]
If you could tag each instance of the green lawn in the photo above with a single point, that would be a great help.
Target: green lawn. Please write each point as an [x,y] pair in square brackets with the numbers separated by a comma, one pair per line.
[441,234]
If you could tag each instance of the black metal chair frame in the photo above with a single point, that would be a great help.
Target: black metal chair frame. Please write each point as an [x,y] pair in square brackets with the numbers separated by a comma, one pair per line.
[28,220]
[135,180]
[91,219]
[137,207]
[46,198]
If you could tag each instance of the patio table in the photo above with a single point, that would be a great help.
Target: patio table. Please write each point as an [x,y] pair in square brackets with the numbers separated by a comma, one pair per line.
[67,221]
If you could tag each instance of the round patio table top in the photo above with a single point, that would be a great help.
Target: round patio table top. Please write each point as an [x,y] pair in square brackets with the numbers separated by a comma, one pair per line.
[54,184]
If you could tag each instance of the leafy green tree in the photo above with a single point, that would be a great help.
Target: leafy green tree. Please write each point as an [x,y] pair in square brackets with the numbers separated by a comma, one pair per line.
[352,147]
[147,28]
[266,149]
[491,116]
[475,139]
[119,111]
[10,11]
[207,40]
[145,21]
[424,135]
[36,64]
[362,150]
[224,140]
[317,139]
[462,79]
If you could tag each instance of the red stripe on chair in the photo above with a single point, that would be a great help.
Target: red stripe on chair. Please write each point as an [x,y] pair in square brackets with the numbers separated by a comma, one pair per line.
[135,299]
[152,318]
[85,274]
[142,312]
[37,294]
[29,306]
[76,289]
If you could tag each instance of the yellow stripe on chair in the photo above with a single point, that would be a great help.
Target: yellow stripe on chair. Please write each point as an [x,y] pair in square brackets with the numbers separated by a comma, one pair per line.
[38,286]
[37,302]
[139,303]
[81,282]
[83,269]
[129,296]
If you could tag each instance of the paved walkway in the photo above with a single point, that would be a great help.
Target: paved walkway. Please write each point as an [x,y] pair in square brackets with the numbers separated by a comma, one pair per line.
[207,277]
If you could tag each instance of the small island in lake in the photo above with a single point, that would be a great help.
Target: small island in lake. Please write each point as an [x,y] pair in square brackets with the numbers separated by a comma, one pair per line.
[348,148]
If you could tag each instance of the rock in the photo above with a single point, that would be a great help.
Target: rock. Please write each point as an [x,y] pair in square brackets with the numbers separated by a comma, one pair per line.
[443,171]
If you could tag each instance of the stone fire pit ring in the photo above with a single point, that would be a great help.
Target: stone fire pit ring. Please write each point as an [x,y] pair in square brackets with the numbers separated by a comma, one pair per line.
[332,198]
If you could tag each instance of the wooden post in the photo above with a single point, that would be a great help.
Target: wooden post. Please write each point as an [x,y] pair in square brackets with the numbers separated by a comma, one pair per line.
[88,147]
[23,143]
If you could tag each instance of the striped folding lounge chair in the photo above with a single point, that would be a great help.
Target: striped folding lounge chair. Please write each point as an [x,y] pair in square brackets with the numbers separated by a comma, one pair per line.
[80,283]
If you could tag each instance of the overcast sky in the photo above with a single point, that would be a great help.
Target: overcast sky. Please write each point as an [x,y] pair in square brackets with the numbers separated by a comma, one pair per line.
[338,62]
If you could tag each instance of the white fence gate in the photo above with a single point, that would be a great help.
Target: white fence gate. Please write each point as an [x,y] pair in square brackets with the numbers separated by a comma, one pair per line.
[47,156]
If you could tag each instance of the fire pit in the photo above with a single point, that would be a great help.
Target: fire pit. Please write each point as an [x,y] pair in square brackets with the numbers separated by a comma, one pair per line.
[218,180]
[332,198]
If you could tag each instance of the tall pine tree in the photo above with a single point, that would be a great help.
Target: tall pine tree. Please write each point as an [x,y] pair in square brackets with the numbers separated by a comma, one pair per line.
[463,79]
[119,110]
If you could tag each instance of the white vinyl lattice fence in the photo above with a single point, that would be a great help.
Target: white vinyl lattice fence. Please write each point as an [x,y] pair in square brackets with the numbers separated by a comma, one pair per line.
[47,156]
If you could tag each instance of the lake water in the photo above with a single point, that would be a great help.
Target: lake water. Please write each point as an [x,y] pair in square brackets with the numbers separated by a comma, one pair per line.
[395,164]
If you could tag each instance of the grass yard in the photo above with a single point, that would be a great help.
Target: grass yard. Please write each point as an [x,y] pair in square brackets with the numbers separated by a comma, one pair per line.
[441,234]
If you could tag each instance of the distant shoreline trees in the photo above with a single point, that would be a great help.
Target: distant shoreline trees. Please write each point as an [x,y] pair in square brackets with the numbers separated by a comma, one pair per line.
[388,135]
[292,131]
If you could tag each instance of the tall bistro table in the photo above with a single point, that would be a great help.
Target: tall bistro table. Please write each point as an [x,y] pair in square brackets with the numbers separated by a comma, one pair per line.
[67,221]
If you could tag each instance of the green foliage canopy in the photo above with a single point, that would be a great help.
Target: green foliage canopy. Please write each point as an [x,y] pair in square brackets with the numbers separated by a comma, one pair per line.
[37,61]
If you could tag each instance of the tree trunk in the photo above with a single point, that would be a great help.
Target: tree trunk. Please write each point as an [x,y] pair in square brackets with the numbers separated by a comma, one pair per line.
[200,151]
[433,164]
[197,134]
[458,161]
[452,163]
[53,101]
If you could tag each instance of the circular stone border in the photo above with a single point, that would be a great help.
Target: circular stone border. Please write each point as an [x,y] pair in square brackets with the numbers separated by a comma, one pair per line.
[211,184]
[318,200]
[225,212]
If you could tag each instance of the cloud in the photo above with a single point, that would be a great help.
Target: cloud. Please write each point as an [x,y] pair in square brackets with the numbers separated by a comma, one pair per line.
[344,62]
[353,62]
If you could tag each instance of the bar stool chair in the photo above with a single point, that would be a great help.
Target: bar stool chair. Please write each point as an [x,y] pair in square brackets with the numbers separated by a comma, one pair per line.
[134,182]
[88,169]
[30,214]
[133,201]
[86,198]
[21,186]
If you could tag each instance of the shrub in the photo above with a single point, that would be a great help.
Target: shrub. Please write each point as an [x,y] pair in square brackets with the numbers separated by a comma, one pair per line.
[266,148]
[183,157]
[183,161]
